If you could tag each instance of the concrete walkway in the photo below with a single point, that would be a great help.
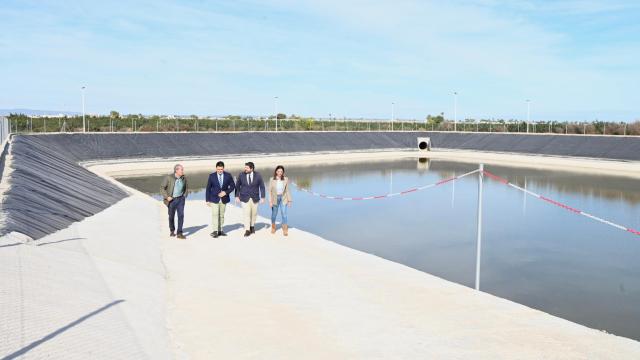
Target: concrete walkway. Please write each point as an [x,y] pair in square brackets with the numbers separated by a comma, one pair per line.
[271,297]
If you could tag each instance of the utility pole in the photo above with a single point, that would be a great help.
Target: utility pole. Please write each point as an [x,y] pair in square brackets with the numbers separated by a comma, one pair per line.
[392,115]
[275,99]
[528,114]
[455,111]
[84,127]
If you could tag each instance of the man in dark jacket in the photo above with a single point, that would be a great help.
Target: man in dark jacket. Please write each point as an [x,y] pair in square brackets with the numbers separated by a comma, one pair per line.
[250,190]
[174,192]
[219,186]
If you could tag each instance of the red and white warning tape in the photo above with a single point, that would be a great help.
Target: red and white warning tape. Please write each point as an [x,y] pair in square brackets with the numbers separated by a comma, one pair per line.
[490,175]
[559,204]
[408,191]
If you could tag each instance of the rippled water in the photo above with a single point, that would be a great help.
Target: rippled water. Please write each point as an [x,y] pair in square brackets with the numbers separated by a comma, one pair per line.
[533,253]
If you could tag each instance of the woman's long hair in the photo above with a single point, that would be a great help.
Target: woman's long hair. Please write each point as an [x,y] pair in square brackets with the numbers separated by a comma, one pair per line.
[275,172]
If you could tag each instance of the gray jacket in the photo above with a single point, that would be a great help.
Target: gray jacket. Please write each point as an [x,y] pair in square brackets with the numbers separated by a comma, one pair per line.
[166,188]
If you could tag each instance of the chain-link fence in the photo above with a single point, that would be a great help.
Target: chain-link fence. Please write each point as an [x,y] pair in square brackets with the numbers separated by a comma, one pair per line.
[137,123]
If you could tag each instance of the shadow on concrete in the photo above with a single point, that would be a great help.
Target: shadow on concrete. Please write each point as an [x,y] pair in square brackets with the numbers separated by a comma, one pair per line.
[229,228]
[9,245]
[259,226]
[59,241]
[193,229]
[50,336]
[262,225]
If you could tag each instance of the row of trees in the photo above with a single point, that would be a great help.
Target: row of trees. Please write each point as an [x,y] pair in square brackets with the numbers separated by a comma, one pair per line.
[139,123]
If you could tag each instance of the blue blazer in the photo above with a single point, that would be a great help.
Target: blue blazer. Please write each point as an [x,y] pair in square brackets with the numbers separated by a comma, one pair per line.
[214,187]
[247,191]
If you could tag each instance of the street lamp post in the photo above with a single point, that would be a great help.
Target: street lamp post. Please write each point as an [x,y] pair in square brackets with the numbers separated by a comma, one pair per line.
[455,111]
[275,100]
[84,128]
[392,114]
[528,113]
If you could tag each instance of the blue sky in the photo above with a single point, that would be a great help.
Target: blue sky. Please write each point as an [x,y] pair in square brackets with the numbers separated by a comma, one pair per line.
[575,60]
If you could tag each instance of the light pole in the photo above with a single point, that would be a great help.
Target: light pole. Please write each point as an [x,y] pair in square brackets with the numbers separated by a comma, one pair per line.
[275,100]
[392,114]
[528,113]
[455,111]
[84,128]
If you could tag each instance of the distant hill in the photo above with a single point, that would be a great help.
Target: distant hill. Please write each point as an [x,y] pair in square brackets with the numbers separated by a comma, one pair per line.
[31,112]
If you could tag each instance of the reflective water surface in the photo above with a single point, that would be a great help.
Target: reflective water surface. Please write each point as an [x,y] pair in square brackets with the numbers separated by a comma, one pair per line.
[533,253]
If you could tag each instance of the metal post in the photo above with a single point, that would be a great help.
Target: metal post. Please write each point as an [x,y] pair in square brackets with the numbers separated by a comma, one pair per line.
[479,234]
[524,199]
[276,106]
[455,111]
[84,128]
[453,191]
[528,114]
[392,115]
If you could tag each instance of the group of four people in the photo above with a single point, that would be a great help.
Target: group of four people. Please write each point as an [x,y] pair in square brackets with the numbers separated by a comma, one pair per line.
[249,191]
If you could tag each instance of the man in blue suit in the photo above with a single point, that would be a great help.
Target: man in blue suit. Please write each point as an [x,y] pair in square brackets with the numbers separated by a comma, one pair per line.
[219,186]
[250,191]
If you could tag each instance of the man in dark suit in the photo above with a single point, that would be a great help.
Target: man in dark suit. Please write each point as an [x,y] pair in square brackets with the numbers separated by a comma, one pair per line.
[219,186]
[250,190]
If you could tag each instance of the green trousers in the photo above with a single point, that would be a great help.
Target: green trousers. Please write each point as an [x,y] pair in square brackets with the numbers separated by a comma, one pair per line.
[217,215]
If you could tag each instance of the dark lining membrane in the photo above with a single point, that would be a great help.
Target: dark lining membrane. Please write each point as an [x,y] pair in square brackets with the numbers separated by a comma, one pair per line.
[601,147]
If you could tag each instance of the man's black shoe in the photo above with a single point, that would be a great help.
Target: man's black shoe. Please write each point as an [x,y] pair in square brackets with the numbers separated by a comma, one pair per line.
[214,234]
[222,233]
[253,229]
[247,233]
[172,234]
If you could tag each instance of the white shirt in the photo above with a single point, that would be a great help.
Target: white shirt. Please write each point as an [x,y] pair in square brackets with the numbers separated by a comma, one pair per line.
[280,186]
